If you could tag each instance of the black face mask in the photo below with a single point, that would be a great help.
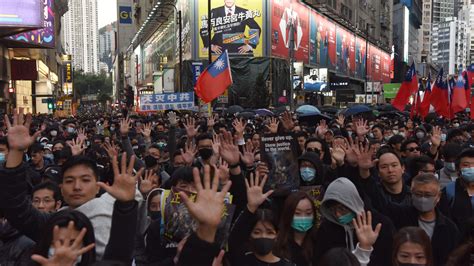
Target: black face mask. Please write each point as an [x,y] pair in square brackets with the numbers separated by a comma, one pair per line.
[150,161]
[154,215]
[262,246]
[205,153]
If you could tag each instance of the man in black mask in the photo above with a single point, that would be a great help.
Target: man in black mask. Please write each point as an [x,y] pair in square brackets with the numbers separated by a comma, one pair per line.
[204,146]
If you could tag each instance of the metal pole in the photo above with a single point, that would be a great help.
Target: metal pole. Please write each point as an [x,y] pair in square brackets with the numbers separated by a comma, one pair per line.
[209,51]
[180,32]
[291,45]
[366,63]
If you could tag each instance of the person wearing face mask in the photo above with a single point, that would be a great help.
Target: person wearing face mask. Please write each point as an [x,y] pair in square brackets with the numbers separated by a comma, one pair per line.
[448,173]
[254,233]
[310,169]
[457,200]
[422,212]
[204,146]
[340,206]
[412,247]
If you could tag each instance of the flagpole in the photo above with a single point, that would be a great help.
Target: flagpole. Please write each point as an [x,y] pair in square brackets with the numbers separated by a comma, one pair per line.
[209,50]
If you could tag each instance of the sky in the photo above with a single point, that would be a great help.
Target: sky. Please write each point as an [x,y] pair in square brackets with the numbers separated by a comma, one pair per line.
[107,12]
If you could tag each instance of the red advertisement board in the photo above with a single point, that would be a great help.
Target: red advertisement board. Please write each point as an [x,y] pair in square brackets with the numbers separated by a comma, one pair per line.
[284,14]
[360,58]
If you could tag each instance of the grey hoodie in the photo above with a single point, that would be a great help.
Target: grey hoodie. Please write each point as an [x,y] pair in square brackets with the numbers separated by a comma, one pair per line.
[343,191]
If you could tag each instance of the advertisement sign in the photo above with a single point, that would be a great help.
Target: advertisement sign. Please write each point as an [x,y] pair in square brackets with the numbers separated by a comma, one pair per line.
[316,80]
[25,13]
[237,27]
[390,90]
[68,72]
[345,52]
[187,25]
[42,37]
[198,68]
[322,41]
[125,14]
[360,58]
[169,101]
[288,15]
[345,96]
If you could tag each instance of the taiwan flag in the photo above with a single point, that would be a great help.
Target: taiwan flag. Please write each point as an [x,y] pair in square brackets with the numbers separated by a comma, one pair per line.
[470,74]
[458,95]
[215,79]
[409,86]
[425,104]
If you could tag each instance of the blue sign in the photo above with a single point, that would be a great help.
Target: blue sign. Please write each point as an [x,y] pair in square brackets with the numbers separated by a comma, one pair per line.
[169,101]
[197,70]
[125,14]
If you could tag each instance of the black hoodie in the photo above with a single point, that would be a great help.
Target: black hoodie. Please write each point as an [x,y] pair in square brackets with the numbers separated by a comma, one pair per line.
[15,248]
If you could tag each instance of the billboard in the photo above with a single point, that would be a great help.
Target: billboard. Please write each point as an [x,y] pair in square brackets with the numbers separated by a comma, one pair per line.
[322,41]
[287,14]
[236,28]
[168,101]
[42,37]
[125,14]
[24,13]
[345,52]
[360,58]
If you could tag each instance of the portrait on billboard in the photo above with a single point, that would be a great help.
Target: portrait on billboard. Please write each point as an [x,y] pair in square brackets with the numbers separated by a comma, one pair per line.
[323,41]
[360,58]
[290,27]
[235,27]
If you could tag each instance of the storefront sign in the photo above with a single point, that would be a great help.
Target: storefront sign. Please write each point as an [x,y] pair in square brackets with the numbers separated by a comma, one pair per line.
[390,90]
[345,96]
[125,14]
[169,101]
[68,72]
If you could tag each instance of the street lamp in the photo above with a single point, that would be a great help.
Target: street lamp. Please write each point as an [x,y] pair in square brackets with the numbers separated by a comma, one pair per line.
[180,32]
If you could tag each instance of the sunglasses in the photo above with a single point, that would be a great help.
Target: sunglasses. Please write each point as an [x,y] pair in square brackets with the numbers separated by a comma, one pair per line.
[413,149]
[313,150]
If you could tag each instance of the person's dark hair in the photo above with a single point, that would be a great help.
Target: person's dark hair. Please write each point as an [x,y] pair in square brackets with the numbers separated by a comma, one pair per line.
[407,142]
[203,136]
[301,134]
[425,179]
[61,142]
[461,256]
[286,233]
[385,151]
[80,160]
[325,148]
[49,186]
[184,174]
[35,148]
[4,141]
[417,163]
[455,132]
[337,257]
[415,235]
[396,139]
[467,153]
[379,126]
[153,194]
[451,150]
[62,219]
[266,216]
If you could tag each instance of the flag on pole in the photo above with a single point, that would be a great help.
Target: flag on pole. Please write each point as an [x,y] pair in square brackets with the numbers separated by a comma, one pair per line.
[409,86]
[458,96]
[425,104]
[215,79]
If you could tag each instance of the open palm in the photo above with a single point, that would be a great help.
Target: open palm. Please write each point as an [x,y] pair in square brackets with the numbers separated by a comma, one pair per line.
[255,195]
[19,132]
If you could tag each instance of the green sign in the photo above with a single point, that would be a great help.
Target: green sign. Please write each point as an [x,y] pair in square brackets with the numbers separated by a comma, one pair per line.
[390,90]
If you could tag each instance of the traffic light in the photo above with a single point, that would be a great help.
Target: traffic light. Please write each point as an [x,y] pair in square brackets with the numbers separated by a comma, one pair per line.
[50,102]
[11,90]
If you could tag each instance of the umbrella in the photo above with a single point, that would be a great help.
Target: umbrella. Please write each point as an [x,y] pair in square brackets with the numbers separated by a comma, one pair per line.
[313,118]
[279,110]
[264,112]
[234,109]
[246,114]
[357,109]
[386,108]
[307,109]
[329,109]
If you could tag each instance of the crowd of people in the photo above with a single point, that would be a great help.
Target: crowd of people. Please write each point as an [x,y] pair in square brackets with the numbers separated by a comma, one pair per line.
[193,189]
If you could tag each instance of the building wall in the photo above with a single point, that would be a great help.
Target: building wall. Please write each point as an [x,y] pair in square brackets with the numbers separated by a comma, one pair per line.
[81,34]
[449,45]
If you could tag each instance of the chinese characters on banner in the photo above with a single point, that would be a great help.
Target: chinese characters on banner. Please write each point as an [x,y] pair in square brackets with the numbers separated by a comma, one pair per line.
[236,28]
[287,14]
[171,101]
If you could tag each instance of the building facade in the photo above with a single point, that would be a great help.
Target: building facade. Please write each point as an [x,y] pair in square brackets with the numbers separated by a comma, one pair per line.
[80,35]
[107,46]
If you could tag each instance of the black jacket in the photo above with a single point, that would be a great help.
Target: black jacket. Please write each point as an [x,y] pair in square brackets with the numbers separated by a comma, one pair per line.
[197,252]
[331,235]
[457,207]
[15,248]
[445,234]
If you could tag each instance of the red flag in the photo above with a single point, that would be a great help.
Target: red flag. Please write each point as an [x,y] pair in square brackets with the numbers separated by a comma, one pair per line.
[472,108]
[470,75]
[458,98]
[425,104]
[408,87]
[439,96]
[415,107]
[215,79]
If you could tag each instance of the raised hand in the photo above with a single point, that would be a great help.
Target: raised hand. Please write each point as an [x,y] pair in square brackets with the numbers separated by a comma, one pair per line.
[111,149]
[322,128]
[216,143]
[218,260]
[239,126]
[338,154]
[364,156]
[255,195]
[189,153]
[361,127]
[262,169]
[209,205]
[223,170]
[190,126]
[66,251]
[287,121]
[146,131]
[349,150]
[248,156]
[148,182]
[125,125]
[363,228]
[19,133]
[228,150]
[77,146]
[436,136]
[81,134]
[172,118]
[340,120]
[123,188]
[273,126]
[211,121]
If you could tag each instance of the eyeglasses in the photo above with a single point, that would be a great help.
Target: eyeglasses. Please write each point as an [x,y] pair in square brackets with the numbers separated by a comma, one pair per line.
[313,150]
[423,194]
[413,149]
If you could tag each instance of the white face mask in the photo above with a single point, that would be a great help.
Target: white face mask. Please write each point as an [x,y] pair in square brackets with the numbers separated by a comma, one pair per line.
[53,133]
[51,253]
